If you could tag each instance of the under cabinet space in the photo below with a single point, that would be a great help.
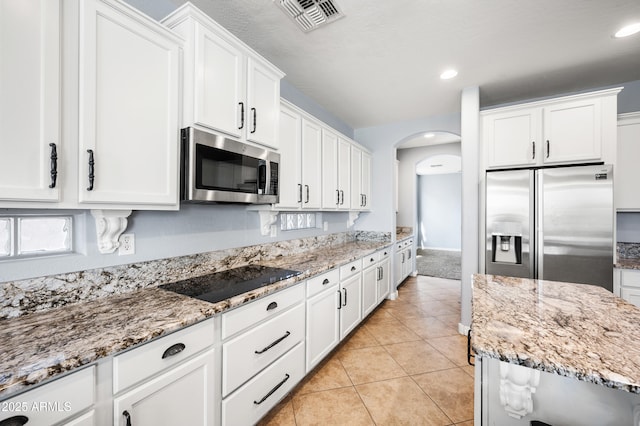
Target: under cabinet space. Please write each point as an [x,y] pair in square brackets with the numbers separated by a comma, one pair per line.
[143,362]
[249,353]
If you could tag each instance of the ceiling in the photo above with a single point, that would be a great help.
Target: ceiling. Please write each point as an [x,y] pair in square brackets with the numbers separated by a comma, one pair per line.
[381,63]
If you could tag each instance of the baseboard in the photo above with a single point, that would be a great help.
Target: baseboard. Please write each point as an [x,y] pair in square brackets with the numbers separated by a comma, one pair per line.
[463,329]
[439,248]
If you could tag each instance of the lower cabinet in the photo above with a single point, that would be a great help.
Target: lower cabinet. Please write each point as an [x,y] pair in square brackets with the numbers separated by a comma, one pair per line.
[404,260]
[370,273]
[59,401]
[627,285]
[323,317]
[384,274]
[350,297]
[180,396]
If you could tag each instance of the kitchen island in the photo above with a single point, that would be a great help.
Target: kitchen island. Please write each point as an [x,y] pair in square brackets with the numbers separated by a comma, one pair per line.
[561,353]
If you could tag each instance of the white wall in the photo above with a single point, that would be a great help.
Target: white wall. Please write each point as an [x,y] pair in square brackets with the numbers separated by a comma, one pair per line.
[407,188]
[382,141]
[439,211]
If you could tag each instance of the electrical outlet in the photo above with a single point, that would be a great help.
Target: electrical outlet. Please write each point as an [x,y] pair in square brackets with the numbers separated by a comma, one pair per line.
[127,244]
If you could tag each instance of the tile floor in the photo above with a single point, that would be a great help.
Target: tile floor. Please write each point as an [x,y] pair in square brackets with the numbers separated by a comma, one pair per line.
[404,365]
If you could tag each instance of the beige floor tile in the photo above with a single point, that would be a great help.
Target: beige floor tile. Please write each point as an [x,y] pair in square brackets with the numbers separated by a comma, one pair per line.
[280,415]
[451,390]
[359,338]
[435,308]
[331,407]
[370,365]
[330,375]
[429,327]
[453,347]
[400,402]
[469,369]
[380,314]
[418,357]
[452,320]
[467,423]
[388,332]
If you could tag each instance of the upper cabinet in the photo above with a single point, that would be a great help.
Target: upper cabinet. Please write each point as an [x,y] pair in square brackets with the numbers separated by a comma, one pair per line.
[129,99]
[627,172]
[29,100]
[104,132]
[360,179]
[227,86]
[336,167]
[572,129]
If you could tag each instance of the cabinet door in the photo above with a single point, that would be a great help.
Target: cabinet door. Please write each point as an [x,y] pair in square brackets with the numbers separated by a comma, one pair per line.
[290,186]
[29,98]
[366,180]
[631,295]
[357,200]
[323,325]
[219,83]
[369,289]
[129,78]
[399,267]
[572,131]
[627,171]
[311,163]
[384,279]
[330,169]
[512,138]
[182,396]
[351,309]
[344,174]
[263,97]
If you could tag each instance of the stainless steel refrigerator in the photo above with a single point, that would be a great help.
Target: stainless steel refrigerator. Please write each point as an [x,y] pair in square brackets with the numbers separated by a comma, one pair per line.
[551,223]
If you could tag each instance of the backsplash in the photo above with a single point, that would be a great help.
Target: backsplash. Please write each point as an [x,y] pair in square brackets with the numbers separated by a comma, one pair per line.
[44,293]
[628,250]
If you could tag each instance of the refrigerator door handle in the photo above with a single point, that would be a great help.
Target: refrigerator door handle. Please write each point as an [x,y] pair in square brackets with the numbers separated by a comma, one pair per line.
[539,226]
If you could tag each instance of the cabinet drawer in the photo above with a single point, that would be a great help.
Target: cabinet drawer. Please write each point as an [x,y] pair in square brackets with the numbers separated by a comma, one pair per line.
[259,310]
[369,260]
[252,401]
[350,269]
[55,401]
[384,253]
[631,295]
[317,284]
[247,354]
[135,365]
[629,278]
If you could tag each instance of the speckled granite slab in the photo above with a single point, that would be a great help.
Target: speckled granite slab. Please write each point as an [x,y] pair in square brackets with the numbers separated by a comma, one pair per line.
[42,345]
[573,330]
[43,293]
[403,232]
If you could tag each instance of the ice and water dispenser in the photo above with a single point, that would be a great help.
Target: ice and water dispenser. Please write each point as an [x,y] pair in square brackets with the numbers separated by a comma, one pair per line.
[506,243]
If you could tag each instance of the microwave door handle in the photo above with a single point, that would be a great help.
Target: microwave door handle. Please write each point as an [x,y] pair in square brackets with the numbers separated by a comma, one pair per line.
[267,177]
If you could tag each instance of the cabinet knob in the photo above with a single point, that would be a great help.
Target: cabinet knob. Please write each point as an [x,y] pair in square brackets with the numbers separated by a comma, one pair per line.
[326,281]
[272,306]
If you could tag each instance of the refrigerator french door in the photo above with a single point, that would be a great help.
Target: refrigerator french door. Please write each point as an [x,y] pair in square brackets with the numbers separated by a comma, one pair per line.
[551,223]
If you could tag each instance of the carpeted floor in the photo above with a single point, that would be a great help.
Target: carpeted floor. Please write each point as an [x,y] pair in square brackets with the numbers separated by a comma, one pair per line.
[438,263]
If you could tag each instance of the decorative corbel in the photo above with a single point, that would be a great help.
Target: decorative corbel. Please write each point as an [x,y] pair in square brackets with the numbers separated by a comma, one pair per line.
[353,216]
[517,385]
[110,224]
[267,219]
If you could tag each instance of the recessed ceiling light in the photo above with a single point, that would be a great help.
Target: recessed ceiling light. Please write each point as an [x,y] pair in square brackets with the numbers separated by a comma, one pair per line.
[446,75]
[429,135]
[628,30]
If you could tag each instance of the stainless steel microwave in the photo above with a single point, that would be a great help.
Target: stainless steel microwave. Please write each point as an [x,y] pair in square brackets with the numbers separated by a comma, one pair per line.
[217,169]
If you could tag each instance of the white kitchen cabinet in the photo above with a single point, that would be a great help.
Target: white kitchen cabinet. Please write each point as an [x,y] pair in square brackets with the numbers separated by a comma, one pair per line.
[360,179]
[384,274]
[323,317]
[626,284]
[571,129]
[336,172]
[627,172]
[58,401]
[370,274]
[350,297]
[403,260]
[30,102]
[129,88]
[513,138]
[290,185]
[183,395]
[311,186]
[228,86]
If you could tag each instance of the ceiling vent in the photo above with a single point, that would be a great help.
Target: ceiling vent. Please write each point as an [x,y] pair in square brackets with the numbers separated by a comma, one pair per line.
[311,14]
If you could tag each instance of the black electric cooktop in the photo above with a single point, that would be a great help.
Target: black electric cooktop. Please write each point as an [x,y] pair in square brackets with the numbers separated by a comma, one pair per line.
[232,282]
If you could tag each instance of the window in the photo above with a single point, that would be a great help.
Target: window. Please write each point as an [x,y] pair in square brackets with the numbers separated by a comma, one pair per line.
[23,236]
[290,221]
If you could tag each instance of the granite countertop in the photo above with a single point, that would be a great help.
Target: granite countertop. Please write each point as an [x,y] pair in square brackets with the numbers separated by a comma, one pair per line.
[42,345]
[403,233]
[628,263]
[574,330]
